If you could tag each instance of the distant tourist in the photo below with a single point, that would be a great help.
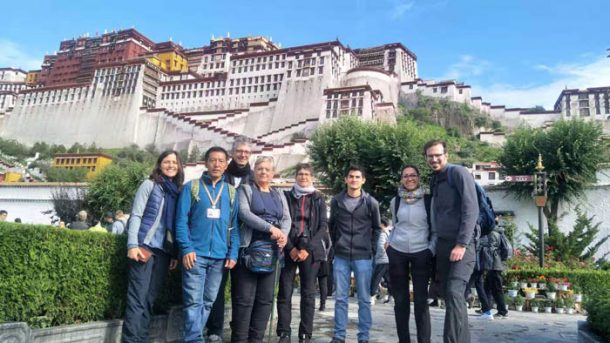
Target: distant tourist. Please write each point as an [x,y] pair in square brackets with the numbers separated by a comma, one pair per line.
[150,242]
[454,213]
[120,223]
[3,215]
[354,225]
[61,224]
[107,221]
[18,220]
[97,227]
[81,221]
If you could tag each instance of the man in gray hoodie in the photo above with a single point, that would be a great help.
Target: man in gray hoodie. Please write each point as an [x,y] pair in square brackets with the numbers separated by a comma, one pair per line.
[454,213]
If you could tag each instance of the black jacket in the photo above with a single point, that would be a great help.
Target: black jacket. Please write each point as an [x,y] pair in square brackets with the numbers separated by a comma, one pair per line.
[315,227]
[354,234]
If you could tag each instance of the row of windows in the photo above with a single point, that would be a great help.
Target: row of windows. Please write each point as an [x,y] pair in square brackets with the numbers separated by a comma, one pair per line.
[72,160]
[221,91]
[263,59]
[189,86]
[257,67]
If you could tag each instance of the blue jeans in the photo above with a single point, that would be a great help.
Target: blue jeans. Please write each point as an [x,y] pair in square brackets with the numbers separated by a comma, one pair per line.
[200,287]
[363,271]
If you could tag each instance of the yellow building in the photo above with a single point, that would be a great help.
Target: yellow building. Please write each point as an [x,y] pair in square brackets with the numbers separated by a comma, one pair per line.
[93,162]
[12,176]
[32,77]
[170,58]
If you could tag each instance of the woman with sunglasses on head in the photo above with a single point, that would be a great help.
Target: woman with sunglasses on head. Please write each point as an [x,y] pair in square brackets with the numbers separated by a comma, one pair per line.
[411,246]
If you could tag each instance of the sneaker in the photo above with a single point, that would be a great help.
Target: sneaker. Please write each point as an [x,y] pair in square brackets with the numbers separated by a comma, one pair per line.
[502,315]
[214,339]
[337,340]
[373,300]
[305,339]
[486,316]
[387,299]
[433,302]
[479,311]
[322,307]
[284,338]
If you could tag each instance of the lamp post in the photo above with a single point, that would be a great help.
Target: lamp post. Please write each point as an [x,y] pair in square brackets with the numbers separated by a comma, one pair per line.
[540,200]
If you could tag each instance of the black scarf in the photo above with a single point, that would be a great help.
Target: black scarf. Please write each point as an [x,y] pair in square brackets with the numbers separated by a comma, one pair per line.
[236,171]
[170,198]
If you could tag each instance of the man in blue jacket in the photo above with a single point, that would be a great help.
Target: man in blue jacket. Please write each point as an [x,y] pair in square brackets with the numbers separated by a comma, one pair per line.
[208,239]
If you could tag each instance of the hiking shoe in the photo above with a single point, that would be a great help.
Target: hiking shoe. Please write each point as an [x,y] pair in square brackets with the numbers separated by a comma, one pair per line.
[214,339]
[486,316]
[284,338]
[322,307]
[337,340]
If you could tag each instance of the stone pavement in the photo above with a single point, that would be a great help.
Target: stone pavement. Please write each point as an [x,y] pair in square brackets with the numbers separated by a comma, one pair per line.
[519,327]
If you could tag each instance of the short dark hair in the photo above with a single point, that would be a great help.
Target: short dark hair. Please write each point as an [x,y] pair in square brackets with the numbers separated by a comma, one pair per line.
[157,174]
[412,166]
[434,142]
[302,166]
[355,167]
[17,220]
[385,222]
[3,212]
[215,149]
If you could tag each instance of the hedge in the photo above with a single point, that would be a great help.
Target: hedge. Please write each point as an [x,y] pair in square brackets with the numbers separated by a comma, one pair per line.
[51,276]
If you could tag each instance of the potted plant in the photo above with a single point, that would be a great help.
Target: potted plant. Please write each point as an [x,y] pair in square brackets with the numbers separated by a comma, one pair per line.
[551,291]
[512,293]
[548,306]
[559,305]
[569,305]
[523,284]
[533,282]
[519,301]
[577,293]
[542,285]
[512,282]
[535,303]
[530,293]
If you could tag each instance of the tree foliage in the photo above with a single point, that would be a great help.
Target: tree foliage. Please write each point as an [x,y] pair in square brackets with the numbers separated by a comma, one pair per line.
[382,149]
[67,202]
[570,152]
[66,175]
[115,186]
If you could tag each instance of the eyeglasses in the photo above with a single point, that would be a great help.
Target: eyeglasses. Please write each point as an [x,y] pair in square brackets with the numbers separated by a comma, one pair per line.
[433,156]
[410,176]
[245,152]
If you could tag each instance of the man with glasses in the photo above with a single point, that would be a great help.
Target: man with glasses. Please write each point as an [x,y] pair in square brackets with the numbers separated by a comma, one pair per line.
[238,173]
[454,213]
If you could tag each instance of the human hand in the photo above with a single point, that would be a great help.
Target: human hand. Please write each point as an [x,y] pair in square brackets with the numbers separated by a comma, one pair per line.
[275,233]
[134,254]
[281,242]
[294,254]
[188,260]
[173,263]
[230,264]
[457,253]
[303,255]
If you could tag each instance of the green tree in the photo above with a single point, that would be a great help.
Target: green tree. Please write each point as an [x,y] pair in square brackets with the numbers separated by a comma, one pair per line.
[66,175]
[114,187]
[571,152]
[67,202]
[195,155]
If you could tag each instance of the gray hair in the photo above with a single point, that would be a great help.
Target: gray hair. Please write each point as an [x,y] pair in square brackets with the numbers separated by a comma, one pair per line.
[82,215]
[264,158]
[239,142]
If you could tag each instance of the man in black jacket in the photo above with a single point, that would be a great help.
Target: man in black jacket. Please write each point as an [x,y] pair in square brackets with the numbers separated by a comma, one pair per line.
[238,173]
[354,226]
[454,213]
[304,249]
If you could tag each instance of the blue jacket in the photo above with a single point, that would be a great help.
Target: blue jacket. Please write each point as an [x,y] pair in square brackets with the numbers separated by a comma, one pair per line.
[145,214]
[207,237]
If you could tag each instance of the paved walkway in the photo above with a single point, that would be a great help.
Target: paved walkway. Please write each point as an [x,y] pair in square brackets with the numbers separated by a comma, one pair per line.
[519,327]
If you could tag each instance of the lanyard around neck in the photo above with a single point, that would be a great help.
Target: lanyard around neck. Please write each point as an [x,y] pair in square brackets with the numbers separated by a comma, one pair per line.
[217,195]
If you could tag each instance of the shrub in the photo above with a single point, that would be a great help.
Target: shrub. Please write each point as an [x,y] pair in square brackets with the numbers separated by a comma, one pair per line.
[598,308]
[51,276]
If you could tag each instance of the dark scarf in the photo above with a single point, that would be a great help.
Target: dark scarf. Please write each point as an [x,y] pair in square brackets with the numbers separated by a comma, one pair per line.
[170,197]
[236,171]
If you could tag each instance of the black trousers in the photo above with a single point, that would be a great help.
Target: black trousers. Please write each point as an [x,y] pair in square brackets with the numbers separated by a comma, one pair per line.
[251,299]
[453,278]
[216,320]
[308,271]
[144,282]
[493,282]
[417,266]
[381,271]
[476,280]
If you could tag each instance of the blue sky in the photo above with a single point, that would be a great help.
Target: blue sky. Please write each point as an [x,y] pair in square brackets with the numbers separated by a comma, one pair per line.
[516,53]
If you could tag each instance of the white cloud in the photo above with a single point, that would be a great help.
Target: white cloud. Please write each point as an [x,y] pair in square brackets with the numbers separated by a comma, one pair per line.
[12,55]
[467,66]
[592,73]
[399,8]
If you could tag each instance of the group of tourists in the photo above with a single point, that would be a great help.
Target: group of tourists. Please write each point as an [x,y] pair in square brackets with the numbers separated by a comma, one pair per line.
[232,221]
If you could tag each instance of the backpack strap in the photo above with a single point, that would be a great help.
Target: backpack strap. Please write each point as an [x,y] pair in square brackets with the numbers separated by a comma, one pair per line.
[195,199]
[396,207]
[195,191]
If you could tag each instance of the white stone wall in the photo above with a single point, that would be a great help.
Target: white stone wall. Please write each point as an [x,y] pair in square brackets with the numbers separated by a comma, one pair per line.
[494,138]
[389,85]
[539,119]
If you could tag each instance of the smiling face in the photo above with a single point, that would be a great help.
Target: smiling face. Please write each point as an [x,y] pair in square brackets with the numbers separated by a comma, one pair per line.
[304,178]
[354,180]
[409,179]
[169,166]
[216,164]
[241,154]
[263,172]
[436,157]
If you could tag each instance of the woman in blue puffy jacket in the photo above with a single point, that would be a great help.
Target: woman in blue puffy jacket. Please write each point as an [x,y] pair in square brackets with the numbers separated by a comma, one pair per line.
[150,243]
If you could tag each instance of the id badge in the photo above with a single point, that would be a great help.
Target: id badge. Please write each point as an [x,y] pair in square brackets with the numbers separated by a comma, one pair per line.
[213,213]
